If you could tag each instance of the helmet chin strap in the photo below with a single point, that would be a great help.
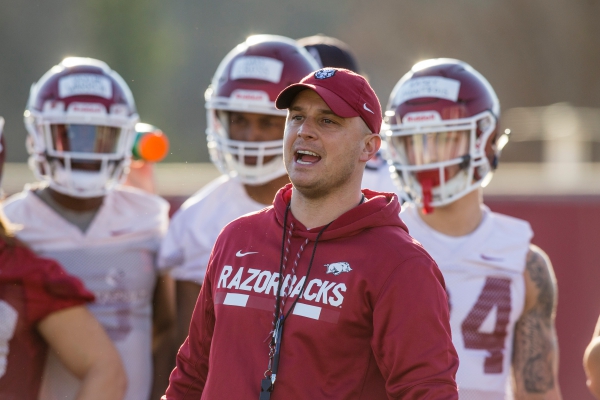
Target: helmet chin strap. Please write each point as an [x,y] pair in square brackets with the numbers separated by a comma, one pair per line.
[431,180]
[428,180]
[78,183]
[258,175]
[426,186]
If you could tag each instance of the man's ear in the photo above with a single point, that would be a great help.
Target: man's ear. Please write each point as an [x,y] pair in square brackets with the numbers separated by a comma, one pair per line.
[371,144]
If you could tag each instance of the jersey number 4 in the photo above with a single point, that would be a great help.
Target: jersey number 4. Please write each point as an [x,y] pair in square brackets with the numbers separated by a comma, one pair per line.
[495,293]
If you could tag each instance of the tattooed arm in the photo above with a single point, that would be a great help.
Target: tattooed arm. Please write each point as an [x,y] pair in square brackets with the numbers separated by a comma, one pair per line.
[591,363]
[535,352]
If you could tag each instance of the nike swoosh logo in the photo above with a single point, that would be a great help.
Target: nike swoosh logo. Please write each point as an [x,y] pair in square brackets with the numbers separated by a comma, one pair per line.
[367,108]
[120,232]
[488,258]
[240,254]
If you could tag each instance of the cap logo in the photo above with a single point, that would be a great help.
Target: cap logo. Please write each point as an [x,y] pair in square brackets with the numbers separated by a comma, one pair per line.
[367,108]
[325,73]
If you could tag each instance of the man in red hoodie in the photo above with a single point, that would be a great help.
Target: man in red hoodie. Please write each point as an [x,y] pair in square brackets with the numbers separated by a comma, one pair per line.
[324,295]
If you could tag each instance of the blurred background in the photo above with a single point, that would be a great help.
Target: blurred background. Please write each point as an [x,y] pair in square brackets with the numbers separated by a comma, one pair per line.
[541,56]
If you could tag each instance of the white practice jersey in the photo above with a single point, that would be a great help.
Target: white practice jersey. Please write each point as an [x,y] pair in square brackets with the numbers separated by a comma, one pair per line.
[196,225]
[116,260]
[486,289]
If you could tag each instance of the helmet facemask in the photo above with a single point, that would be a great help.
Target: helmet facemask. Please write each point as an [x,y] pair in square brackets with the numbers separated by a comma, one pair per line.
[78,155]
[252,162]
[441,161]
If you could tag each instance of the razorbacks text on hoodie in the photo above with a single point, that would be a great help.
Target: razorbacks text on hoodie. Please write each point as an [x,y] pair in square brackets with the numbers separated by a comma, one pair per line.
[317,292]
[257,281]
[372,322]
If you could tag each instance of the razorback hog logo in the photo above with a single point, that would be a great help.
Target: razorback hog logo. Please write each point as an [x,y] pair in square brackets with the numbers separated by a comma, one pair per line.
[325,73]
[338,267]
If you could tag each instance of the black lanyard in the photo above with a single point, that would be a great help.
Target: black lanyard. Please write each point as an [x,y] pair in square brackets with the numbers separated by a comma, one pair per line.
[268,383]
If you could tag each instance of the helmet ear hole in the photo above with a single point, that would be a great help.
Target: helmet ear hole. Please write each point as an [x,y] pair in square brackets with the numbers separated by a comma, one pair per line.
[494,163]
[493,149]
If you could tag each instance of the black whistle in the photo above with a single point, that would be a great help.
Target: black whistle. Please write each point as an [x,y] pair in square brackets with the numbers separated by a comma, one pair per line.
[265,389]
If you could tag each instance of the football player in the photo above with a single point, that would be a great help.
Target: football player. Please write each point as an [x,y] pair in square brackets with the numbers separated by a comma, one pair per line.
[40,307]
[443,141]
[245,141]
[80,120]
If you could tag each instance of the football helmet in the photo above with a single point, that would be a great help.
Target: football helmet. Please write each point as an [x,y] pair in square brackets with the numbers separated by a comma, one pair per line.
[330,52]
[441,126]
[80,119]
[248,80]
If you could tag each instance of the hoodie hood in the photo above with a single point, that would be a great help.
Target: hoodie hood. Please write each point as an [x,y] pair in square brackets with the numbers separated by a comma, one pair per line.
[378,209]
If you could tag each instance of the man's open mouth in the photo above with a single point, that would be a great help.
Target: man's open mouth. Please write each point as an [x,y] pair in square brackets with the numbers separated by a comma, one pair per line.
[307,157]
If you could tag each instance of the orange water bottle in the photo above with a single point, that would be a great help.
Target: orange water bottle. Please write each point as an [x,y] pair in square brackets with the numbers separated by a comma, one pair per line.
[150,143]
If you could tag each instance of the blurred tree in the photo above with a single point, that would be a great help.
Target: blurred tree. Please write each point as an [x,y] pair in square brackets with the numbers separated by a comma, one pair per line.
[140,40]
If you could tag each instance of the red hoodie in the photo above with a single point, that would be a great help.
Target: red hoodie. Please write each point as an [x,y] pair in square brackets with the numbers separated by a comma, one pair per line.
[372,322]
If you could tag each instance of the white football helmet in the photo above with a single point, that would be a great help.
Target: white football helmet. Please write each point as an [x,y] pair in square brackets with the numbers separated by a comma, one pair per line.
[248,80]
[441,126]
[80,120]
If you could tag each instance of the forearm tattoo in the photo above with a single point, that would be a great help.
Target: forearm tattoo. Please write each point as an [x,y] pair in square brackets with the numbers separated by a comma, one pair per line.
[535,347]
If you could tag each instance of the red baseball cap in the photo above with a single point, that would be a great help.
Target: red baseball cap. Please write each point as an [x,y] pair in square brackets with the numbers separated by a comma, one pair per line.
[348,94]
